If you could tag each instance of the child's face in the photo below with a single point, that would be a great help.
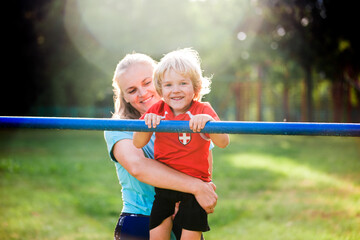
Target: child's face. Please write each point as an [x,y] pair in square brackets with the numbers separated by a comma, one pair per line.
[177,91]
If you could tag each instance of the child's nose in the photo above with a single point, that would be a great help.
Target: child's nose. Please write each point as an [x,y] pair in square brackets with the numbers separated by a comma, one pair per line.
[176,88]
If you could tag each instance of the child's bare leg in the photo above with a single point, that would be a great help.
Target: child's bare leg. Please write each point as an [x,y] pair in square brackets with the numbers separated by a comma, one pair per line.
[163,231]
[190,235]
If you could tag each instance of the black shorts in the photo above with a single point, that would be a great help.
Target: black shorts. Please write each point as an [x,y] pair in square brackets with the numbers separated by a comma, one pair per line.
[191,216]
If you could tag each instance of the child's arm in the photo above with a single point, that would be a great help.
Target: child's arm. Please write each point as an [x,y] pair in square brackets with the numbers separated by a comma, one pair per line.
[197,123]
[140,139]
[220,140]
[210,159]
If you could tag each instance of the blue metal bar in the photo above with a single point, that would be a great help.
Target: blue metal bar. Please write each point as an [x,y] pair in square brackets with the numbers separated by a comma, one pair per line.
[231,127]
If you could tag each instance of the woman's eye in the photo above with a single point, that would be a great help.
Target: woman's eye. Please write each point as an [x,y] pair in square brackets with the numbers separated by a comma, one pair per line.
[147,83]
[131,91]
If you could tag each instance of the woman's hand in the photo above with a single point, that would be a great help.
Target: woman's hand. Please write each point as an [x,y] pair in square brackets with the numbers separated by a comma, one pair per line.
[206,196]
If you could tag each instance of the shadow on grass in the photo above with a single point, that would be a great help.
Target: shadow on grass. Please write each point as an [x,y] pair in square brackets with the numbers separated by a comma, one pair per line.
[264,175]
[236,186]
[336,156]
[231,179]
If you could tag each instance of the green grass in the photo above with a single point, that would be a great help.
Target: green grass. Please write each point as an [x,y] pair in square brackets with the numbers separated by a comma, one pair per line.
[62,185]
[283,187]
[57,185]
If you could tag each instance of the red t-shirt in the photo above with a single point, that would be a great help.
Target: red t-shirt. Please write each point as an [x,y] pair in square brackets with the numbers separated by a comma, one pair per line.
[185,152]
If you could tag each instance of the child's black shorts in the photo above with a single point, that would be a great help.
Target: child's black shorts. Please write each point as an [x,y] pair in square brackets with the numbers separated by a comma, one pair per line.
[191,216]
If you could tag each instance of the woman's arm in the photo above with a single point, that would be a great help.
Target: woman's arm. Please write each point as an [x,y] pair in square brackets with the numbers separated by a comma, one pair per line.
[159,175]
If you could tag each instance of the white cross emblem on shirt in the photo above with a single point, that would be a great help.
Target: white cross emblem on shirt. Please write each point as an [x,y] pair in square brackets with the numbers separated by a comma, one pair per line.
[184,138]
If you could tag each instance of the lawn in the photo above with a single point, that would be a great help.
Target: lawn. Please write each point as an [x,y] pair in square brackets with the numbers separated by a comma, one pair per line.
[61,185]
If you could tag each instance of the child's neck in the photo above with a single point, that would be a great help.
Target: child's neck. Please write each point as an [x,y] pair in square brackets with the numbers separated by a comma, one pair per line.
[182,112]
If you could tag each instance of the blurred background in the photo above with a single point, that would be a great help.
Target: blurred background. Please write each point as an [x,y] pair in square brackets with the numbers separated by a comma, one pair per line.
[271,60]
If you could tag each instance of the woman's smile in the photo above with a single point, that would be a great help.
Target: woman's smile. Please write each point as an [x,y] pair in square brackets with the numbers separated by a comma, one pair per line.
[147,99]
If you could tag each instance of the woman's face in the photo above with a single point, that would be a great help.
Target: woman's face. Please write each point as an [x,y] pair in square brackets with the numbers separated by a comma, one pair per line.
[137,86]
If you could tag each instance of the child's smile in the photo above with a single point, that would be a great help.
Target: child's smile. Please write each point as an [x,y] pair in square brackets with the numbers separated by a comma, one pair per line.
[177,91]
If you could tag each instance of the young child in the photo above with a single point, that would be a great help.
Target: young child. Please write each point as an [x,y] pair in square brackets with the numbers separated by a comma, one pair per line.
[178,80]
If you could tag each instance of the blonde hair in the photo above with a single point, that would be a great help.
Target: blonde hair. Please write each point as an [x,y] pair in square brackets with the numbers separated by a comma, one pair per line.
[185,62]
[123,109]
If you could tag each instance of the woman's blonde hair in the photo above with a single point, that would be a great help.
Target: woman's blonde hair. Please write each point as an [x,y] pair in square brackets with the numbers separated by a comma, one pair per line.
[123,109]
[185,62]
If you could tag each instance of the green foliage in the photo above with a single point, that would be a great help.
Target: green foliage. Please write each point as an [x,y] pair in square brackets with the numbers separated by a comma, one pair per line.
[77,45]
[62,185]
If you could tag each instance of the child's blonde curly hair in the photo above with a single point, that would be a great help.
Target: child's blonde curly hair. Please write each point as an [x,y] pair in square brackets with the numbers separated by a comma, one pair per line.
[185,62]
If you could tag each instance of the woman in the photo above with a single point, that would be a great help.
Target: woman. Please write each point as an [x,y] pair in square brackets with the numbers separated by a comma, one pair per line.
[137,171]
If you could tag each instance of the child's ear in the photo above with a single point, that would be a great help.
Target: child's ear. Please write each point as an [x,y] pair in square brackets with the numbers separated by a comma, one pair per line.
[196,95]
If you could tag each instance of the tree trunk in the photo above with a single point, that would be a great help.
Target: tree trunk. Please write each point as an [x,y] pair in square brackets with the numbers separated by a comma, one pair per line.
[238,91]
[309,90]
[286,102]
[357,108]
[337,100]
[286,98]
[352,78]
[303,102]
[259,92]
[347,91]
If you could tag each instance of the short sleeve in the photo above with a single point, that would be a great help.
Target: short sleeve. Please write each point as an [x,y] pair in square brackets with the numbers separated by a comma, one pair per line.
[207,109]
[112,137]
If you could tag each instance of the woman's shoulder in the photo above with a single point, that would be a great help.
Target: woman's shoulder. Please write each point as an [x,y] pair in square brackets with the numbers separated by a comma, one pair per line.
[111,137]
